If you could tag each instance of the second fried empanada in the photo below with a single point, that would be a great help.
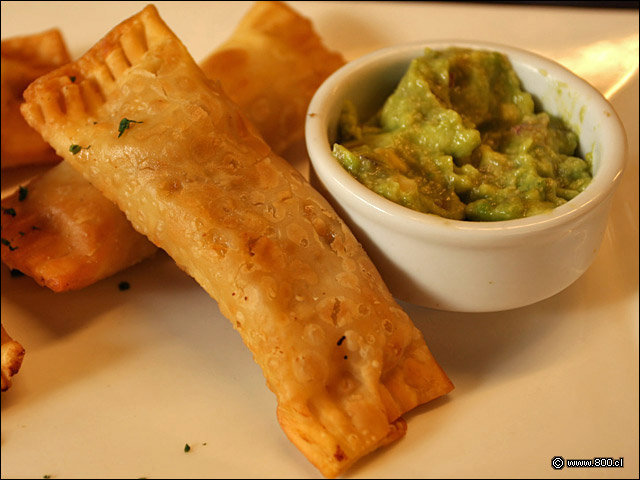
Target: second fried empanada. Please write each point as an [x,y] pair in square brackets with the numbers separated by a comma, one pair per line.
[23,60]
[277,45]
[63,233]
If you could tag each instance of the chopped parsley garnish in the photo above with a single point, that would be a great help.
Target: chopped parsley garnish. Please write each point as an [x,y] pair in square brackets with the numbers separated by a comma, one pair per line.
[22,193]
[342,339]
[33,227]
[6,242]
[124,286]
[75,149]
[9,211]
[125,124]
[73,79]
[187,447]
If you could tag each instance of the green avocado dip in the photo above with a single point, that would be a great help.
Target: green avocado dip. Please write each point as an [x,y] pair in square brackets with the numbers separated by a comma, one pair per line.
[459,138]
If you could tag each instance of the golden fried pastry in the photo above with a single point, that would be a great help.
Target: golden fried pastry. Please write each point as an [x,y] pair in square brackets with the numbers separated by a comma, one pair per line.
[275,44]
[193,175]
[23,60]
[12,354]
[274,59]
[64,234]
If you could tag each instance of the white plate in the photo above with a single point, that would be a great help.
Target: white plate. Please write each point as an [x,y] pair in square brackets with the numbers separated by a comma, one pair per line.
[115,383]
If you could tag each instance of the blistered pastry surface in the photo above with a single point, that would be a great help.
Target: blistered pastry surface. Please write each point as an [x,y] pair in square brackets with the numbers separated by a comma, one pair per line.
[192,175]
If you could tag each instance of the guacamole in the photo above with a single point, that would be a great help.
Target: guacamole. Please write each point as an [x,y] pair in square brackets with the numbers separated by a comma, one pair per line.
[459,138]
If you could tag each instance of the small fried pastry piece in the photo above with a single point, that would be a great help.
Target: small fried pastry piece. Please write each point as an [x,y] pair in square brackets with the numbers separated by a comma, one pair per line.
[12,355]
[274,59]
[192,174]
[23,60]
[63,233]
[279,46]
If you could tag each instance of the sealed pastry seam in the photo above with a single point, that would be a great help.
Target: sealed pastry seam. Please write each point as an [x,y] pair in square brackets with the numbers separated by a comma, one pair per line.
[192,174]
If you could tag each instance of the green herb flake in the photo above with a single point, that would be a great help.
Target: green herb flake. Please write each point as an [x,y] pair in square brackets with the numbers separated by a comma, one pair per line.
[9,211]
[46,476]
[187,447]
[125,124]
[73,79]
[75,149]
[22,193]
[33,227]
[7,243]
[124,286]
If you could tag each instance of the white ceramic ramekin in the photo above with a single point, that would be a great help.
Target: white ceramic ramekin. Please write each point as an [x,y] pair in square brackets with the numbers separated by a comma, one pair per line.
[471,266]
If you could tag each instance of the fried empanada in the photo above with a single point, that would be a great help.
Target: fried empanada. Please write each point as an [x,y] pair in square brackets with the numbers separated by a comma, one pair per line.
[274,59]
[280,47]
[23,60]
[64,234]
[192,174]
[12,355]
